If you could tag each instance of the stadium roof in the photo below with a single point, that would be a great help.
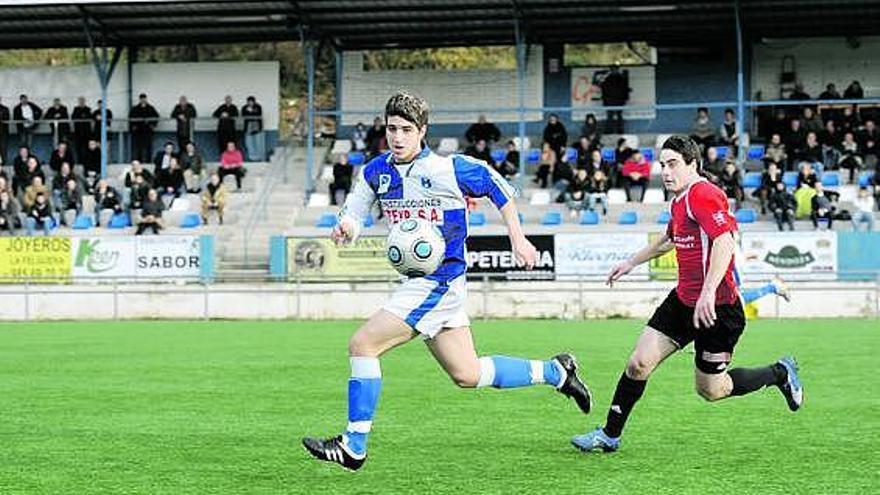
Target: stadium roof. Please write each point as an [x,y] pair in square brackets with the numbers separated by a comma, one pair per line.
[365,24]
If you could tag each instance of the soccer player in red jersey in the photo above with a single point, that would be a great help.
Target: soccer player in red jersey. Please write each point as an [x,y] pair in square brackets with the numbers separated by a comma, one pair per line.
[704,308]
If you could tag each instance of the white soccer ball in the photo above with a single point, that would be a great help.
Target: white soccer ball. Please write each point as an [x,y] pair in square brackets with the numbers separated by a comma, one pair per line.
[415,247]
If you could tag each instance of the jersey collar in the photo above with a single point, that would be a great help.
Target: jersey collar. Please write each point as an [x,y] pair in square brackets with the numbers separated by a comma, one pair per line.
[686,191]
[426,150]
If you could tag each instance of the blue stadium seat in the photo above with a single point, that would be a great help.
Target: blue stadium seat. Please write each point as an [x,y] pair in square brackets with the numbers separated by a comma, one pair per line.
[831,179]
[865,179]
[608,154]
[752,180]
[356,158]
[326,220]
[648,153]
[477,219]
[551,218]
[119,221]
[571,154]
[83,222]
[746,215]
[790,179]
[589,217]
[368,221]
[723,151]
[628,218]
[190,221]
[498,155]
[664,217]
[756,152]
[534,156]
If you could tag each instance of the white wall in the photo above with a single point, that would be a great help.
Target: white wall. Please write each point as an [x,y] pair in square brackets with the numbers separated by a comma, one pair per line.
[818,61]
[204,84]
[455,89]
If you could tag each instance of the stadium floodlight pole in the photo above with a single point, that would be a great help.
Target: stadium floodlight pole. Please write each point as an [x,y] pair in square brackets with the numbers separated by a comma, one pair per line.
[740,83]
[521,90]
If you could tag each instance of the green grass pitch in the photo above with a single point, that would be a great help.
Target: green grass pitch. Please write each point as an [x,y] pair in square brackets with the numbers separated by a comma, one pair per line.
[219,407]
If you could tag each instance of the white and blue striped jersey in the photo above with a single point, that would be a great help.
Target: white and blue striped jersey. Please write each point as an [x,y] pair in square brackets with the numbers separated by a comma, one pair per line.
[432,187]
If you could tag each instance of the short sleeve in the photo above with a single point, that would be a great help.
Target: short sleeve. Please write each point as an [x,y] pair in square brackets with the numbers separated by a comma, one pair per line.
[477,180]
[708,206]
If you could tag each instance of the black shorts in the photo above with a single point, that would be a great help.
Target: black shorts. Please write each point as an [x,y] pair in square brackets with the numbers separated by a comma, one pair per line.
[714,345]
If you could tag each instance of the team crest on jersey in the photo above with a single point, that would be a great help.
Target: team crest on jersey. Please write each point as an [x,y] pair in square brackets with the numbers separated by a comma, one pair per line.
[384,183]
[426,183]
[720,218]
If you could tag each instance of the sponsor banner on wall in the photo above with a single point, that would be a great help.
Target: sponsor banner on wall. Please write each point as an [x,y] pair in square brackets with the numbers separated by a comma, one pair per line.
[320,257]
[45,259]
[168,256]
[793,255]
[596,254]
[586,93]
[664,267]
[103,256]
[491,255]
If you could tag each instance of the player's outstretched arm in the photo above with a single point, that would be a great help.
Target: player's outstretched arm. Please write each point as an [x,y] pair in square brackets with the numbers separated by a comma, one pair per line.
[723,248]
[524,250]
[658,247]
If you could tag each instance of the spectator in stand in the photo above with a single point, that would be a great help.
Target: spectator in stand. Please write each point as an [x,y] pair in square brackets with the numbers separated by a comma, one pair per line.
[701,131]
[798,95]
[480,151]
[636,172]
[555,135]
[807,176]
[254,139]
[597,163]
[4,132]
[358,138]
[39,215]
[92,165]
[226,114]
[868,140]
[106,198]
[232,163]
[622,153]
[151,213]
[780,123]
[769,179]
[376,140]
[822,208]
[849,121]
[185,114]
[193,168]
[597,190]
[82,128]
[615,92]
[34,169]
[482,130]
[341,185]
[813,153]
[591,130]
[138,169]
[214,198]
[850,155]
[30,193]
[163,158]
[27,116]
[138,192]
[60,154]
[71,200]
[510,165]
[731,183]
[96,122]
[561,177]
[576,193]
[10,212]
[19,170]
[864,213]
[811,121]
[783,205]
[854,91]
[545,166]
[171,183]
[584,148]
[59,124]
[713,166]
[59,182]
[729,132]
[143,119]
[830,93]
[830,138]
[795,141]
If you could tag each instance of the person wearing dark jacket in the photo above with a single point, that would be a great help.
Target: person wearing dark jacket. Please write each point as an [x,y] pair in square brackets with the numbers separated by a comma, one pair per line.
[4,132]
[783,205]
[484,130]
[225,115]
[143,118]
[58,118]
[151,213]
[60,154]
[138,169]
[96,122]
[106,198]
[769,179]
[138,192]
[59,181]
[480,151]
[184,113]
[71,199]
[27,117]
[615,92]
[39,215]
[163,158]
[341,185]
[82,128]
[19,170]
[91,159]
[555,135]
[510,165]
[10,212]
[171,182]
[252,115]
[821,207]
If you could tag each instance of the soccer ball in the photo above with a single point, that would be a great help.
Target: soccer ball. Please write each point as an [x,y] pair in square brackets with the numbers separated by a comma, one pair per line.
[415,247]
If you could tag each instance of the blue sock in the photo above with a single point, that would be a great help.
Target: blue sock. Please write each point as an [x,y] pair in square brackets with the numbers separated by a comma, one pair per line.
[509,372]
[364,387]
[751,295]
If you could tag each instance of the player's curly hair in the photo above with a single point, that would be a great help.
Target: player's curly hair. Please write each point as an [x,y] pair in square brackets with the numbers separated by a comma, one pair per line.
[685,146]
[408,106]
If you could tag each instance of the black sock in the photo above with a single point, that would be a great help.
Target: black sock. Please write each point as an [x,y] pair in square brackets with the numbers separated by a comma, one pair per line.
[626,395]
[747,380]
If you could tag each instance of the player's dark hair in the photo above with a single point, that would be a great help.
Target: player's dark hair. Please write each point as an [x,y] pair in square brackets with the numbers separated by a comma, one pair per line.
[408,107]
[684,146]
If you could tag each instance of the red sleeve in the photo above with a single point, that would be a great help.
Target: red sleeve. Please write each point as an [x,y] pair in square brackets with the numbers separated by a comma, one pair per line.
[708,205]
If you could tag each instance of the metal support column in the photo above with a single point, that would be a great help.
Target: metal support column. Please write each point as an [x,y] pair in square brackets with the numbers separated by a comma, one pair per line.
[521,104]
[740,85]
[104,68]
[309,53]
[130,60]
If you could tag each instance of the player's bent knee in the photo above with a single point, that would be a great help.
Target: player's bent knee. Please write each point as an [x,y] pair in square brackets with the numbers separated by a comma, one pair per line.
[639,368]
[360,345]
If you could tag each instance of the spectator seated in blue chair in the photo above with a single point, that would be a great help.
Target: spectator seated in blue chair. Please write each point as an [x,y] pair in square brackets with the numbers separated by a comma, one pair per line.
[342,178]
[171,182]
[151,214]
[107,202]
[39,215]
[70,206]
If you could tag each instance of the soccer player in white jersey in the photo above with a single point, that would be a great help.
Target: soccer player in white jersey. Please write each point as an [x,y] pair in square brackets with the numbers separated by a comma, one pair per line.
[411,181]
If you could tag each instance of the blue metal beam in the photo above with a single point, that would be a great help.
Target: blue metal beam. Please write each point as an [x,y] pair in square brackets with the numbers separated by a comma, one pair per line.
[740,84]
[310,125]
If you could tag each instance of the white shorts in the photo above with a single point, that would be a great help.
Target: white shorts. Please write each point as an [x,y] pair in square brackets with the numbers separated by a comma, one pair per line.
[428,306]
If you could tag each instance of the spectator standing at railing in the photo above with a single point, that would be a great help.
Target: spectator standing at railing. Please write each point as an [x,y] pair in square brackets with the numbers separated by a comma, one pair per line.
[60,154]
[39,215]
[232,163]
[163,158]
[4,132]
[555,135]
[226,114]
[82,128]
[701,131]
[783,205]
[341,185]
[96,122]
[482,130]
[151,213]
[27,116]
[59,124]
[868,140]
[143,119]
[10,212]
[254,144]
[184,113]
[615,93]
[636,172]
[193,168]
[854,91]
[830,92]
[798,95]
[214,198]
